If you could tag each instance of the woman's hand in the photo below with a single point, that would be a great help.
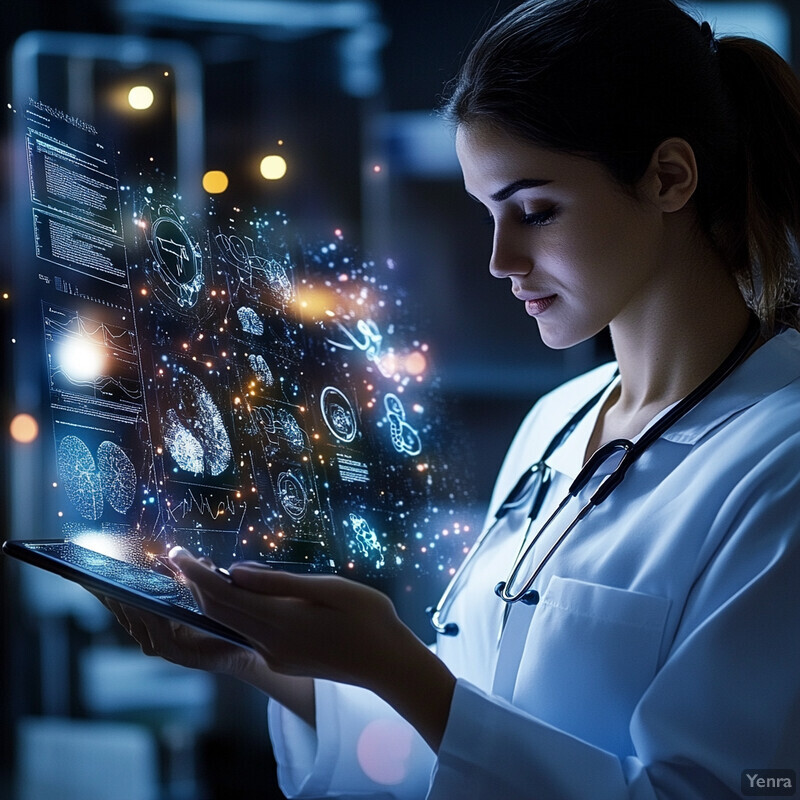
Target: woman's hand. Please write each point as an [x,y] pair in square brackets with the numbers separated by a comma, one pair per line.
[324,626]
[190,647]
[177,643]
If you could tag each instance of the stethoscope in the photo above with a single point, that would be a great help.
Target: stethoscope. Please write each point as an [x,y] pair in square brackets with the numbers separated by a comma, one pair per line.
[533,485]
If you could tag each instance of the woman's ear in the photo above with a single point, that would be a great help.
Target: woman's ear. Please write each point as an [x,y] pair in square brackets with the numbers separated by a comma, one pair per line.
[671,177]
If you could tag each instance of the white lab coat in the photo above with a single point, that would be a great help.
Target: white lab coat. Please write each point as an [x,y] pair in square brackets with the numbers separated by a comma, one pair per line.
[664,656]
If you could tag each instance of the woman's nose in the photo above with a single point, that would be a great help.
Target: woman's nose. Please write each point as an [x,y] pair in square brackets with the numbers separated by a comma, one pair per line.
[509,256]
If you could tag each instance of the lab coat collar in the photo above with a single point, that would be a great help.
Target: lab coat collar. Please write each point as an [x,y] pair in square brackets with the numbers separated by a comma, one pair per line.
[774,365]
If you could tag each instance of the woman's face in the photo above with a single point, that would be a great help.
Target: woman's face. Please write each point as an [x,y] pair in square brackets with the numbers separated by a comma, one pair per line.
[579,251]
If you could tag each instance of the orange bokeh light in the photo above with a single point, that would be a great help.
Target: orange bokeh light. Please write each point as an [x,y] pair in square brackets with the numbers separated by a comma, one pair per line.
[24,429]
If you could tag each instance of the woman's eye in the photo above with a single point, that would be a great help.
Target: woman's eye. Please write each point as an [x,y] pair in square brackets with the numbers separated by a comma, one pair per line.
[539,218]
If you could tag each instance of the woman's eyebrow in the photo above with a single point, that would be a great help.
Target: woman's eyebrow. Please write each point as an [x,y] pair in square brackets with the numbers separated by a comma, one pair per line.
[515,186]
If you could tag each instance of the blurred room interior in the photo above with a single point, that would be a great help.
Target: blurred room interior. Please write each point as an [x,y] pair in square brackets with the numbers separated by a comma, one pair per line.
[345,91]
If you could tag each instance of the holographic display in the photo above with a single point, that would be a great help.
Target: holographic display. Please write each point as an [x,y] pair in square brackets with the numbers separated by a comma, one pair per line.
[219,383]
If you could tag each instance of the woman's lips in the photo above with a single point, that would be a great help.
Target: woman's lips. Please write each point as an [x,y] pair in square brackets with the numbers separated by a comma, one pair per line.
[539,305]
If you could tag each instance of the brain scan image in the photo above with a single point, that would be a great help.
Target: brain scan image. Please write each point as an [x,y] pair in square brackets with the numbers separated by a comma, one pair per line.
[250,321]
[261,369]
[117,476]
[194,432]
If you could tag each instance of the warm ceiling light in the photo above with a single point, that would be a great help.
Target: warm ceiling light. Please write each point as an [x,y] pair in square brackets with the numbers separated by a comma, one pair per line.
[273,168]
[140,97]
[215,181]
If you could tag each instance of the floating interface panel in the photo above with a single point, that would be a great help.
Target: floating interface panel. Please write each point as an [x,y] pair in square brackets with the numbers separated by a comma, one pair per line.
[217,383]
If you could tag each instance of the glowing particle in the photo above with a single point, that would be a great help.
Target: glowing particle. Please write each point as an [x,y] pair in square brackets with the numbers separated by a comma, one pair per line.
[415,363]
[215,181]
[24,429]
[376,168]
[140,97]
[384,751]
[81,360]
[273,167]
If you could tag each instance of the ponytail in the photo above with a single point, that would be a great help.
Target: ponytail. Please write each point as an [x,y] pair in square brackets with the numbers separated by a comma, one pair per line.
[765,94]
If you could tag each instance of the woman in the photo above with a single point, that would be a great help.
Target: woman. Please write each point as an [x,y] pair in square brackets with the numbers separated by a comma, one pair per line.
[641,175]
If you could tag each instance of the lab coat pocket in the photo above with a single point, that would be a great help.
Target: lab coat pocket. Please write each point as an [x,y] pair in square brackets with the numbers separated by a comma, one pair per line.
[590,654]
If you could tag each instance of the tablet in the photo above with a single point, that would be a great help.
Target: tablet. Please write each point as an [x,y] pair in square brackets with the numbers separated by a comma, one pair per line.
[120,580]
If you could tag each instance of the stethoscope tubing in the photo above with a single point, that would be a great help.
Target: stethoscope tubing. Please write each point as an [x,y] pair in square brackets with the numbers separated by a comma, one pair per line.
[631,453]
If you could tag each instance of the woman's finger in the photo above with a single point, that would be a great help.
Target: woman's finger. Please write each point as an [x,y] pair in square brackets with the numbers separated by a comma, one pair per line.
[265,580]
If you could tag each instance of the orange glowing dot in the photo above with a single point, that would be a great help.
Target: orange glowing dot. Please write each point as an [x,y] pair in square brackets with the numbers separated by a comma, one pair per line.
[215,181]
[185,346]
[208,364]
[415,363]
[5,295]
[213,292]
[143,291]
[24,428]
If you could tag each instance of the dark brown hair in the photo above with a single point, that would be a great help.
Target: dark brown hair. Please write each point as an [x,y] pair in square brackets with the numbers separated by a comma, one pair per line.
[612,79]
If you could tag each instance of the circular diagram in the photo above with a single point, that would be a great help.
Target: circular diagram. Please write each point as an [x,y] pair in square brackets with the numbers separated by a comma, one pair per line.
[194,432]
[292,495]
[176,274]
[338,414]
